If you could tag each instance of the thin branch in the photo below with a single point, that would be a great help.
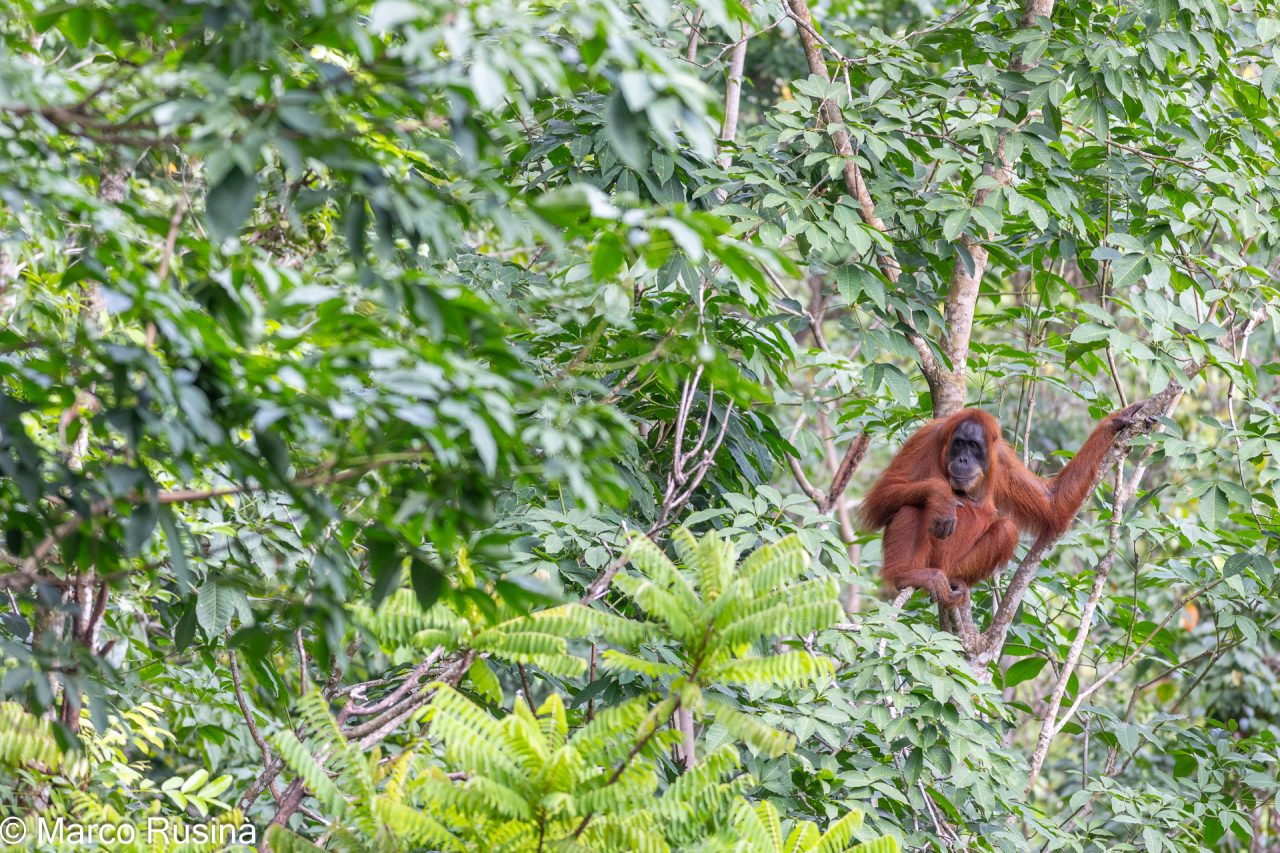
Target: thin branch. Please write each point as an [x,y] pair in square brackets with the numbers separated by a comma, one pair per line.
[29,571]
[170,241]
[1123,491]
[971,256]
[988,646]
[1133,655]
[296,792]
[732,99]
[622,765]
[362,709]
[247,713]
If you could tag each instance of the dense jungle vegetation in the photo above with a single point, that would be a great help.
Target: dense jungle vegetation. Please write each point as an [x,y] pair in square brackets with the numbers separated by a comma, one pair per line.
[441,426]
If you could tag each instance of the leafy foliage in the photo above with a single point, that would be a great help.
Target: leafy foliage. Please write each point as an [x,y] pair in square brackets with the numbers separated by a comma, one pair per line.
[345,346]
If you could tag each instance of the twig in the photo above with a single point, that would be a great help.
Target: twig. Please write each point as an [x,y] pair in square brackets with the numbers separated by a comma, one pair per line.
[622,765]
[247,713]
[297,790]
[170,241]
[528,694]
[1133,655]
[732,99]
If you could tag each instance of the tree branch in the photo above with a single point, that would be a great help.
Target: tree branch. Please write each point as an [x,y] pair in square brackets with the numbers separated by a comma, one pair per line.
[990,644]
[854,184]
[971,256]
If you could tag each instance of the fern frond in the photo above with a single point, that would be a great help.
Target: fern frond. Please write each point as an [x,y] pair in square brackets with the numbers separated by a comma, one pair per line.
[808,606]
[297,756]
[750,828]
[412,825]
[513,836]
[770,566]
[612,659]
[26,739]
[553,720]
[601,740]
[484,682]
[651,562]
[685,545]
[499,798]
[783,670]
[318,722]
[394,772]
[710,558]
[543,650]
[578,621]
[660,604]
[634,787]
[767,812]
[430,638]
[563,770]
[766,739]
[615,834]
[344,762]
[522,737]
[471,737]
[802,837]
[717,558]
[694,793]
[400,618]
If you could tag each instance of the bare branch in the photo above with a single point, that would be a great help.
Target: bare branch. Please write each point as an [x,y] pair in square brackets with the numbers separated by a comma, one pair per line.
[691,50]
[1103,571]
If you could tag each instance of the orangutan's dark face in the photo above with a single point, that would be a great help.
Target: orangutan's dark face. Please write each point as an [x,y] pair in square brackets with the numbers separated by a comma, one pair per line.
[967,458]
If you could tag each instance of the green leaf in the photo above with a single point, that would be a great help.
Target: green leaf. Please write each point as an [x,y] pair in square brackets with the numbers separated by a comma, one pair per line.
[955,223]
[1270,79]
[1127,269]
[77,23]
[625,132]
[1024,670]
[608,257]
[487,84]
[427,582]
[177,555]
[229,203]
[1214,507]
[486,684]
[385,564]
[215,605]
[141,524]
[185,629]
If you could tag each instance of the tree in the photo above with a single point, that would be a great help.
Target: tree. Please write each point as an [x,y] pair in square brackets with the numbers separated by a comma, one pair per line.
[351,350]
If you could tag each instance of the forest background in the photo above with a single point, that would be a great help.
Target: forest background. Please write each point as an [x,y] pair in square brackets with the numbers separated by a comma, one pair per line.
[365,366]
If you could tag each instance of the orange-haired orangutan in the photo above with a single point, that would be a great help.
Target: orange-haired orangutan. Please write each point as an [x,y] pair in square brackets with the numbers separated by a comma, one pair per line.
[952,501]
